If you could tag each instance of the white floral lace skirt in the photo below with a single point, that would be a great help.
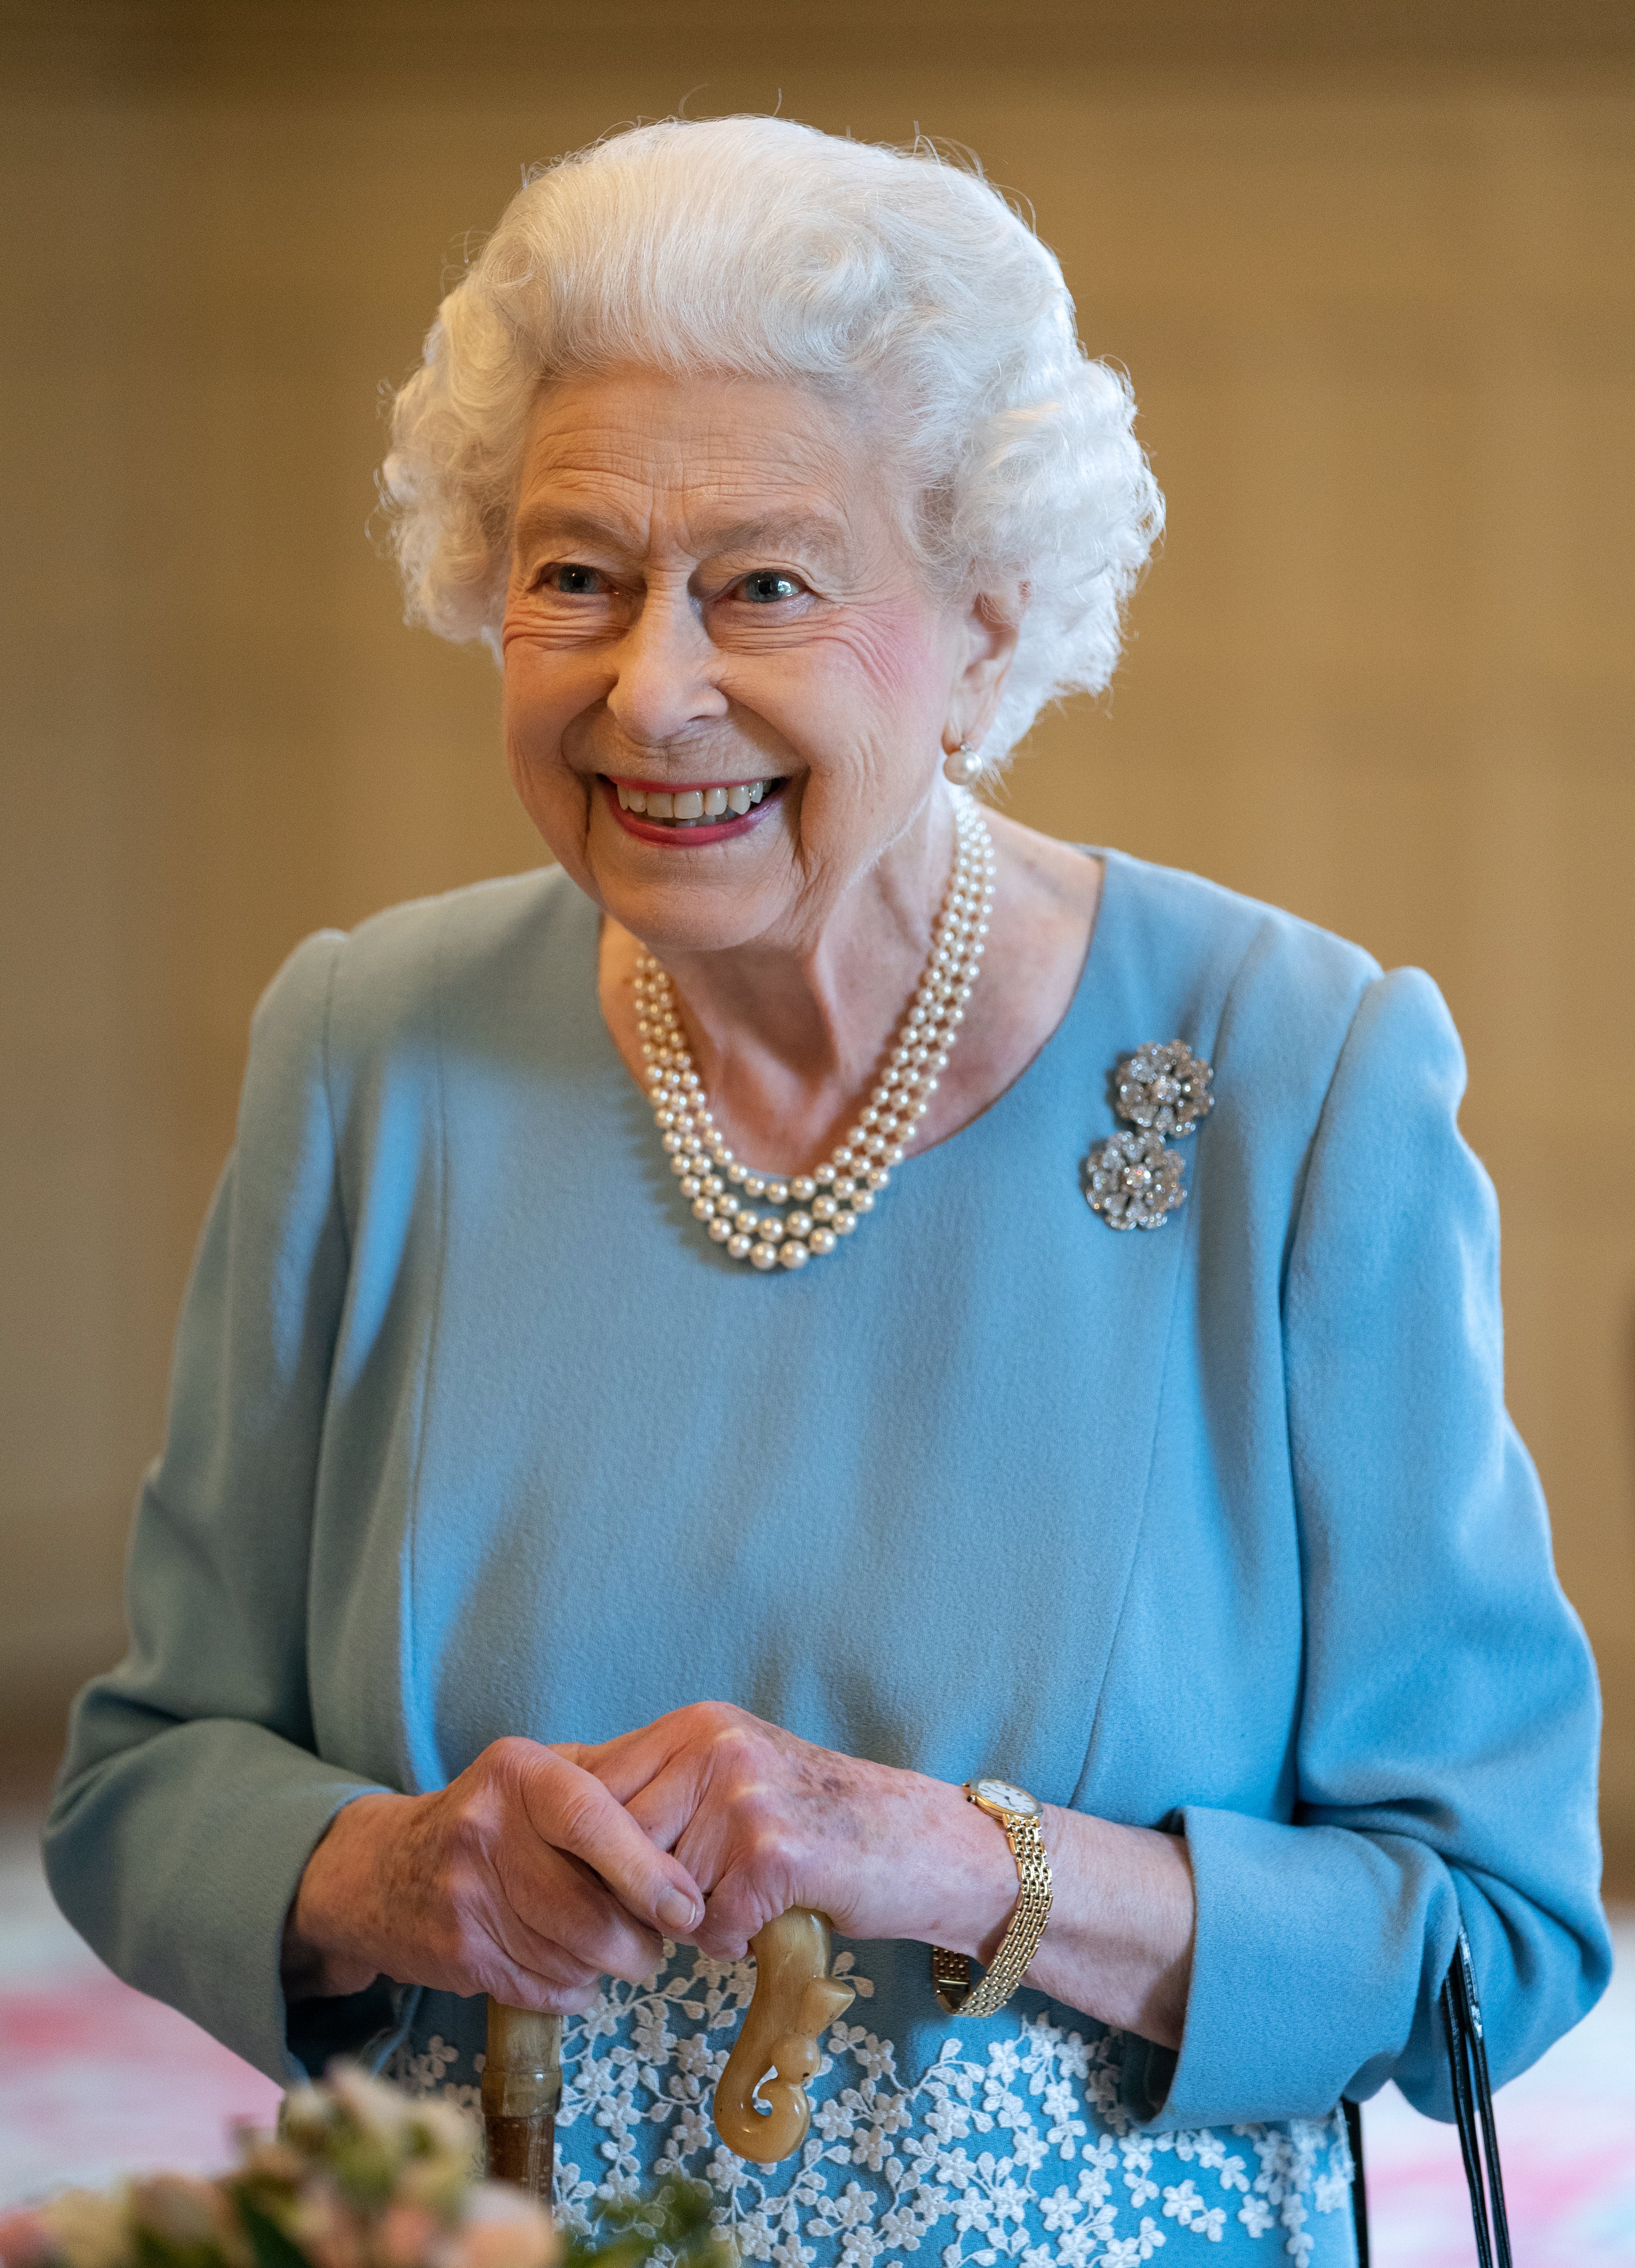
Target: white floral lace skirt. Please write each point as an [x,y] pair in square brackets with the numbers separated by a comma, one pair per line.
[1013,2145]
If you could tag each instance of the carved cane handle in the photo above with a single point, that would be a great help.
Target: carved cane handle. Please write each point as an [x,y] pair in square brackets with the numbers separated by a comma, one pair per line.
[779,2047]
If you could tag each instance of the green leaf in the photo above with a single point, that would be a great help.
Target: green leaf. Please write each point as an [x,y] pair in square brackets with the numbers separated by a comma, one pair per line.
[271,2247]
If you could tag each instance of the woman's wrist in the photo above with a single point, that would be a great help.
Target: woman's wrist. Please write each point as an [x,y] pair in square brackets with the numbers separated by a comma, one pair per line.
[1119,1941]
[977,1891]
[329,1932]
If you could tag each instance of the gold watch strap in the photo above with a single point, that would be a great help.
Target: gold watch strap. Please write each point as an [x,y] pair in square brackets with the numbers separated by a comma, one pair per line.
[951,1972]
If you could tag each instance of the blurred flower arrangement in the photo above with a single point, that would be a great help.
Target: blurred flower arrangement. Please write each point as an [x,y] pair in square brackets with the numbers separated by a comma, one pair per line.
[358,2175]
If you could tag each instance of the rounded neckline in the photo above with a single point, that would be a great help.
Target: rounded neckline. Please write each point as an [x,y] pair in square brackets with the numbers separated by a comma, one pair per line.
[1093,957]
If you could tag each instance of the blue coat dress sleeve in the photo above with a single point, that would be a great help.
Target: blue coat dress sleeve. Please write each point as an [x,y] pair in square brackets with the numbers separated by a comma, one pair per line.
[190,1797]
[1447,1739]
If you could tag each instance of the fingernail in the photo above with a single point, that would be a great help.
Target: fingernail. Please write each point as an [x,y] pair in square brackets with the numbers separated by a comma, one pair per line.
[677,1911]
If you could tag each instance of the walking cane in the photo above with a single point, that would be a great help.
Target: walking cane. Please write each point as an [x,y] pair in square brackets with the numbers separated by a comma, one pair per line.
[779,2045]
[521,2089]
[760,2106]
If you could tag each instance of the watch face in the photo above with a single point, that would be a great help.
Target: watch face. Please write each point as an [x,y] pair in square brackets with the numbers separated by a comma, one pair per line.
[1004,1797]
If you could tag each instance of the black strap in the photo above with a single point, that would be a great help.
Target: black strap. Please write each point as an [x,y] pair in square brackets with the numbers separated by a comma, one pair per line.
[1473,2111]
[1360,2185]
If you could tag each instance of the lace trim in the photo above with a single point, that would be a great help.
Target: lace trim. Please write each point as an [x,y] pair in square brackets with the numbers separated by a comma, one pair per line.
[886,2170]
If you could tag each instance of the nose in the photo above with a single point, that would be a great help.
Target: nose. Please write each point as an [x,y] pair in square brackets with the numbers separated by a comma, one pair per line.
[665,670]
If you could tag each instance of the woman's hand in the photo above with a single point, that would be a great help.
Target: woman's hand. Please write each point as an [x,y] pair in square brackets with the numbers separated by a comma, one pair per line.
[524,1878]
[764,1821]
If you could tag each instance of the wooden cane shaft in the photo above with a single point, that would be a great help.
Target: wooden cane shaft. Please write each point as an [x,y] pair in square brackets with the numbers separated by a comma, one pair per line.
[522,2090]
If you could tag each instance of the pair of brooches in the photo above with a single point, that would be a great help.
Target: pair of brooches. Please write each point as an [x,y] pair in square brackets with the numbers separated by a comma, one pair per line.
[1134,1179]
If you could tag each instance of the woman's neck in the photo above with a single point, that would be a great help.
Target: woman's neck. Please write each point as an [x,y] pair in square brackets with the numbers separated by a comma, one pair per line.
[788,1035]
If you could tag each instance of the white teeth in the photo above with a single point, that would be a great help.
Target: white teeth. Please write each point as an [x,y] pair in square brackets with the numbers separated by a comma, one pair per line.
[689,806]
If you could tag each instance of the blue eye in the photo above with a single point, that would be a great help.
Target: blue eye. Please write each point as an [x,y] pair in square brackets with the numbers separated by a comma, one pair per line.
[767,587]
[575,582]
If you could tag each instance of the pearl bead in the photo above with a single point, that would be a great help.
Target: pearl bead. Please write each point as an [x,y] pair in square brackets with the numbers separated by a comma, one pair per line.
[771,1228]
[879,1178]
[822,1241]
[777,1192]
[746,1223]
[703,1208]
[738,1245]
[793,1255]
[863,1201]
[798,1224]
[679,1165]
[843,1223]
[893,1157]
[804,1187]
[720,1231]
[843,1185]
[692,1187]
[753,1186]
[823,1208]
[735,1172]
[823,1175]
[764,1256]
[714,1186]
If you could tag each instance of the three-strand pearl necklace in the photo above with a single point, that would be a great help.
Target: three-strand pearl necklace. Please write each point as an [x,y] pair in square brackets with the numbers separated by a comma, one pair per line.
[830,1200]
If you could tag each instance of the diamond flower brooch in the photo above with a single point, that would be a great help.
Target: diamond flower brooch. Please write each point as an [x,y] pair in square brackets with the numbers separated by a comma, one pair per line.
[1133,1179]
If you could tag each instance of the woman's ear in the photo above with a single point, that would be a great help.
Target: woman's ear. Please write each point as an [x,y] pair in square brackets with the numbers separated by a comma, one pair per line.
[991,624]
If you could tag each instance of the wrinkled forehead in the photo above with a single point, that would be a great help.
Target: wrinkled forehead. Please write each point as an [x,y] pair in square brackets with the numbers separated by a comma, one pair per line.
[722,462]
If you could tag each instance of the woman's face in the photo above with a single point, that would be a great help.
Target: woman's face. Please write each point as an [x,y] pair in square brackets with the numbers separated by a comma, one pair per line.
[711,602]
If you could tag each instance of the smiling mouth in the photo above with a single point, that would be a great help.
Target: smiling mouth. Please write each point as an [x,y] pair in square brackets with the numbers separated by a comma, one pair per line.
[693,806]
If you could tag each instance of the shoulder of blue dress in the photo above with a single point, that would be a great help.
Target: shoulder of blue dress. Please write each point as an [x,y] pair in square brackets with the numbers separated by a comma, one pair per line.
[1229,959]
[432,964]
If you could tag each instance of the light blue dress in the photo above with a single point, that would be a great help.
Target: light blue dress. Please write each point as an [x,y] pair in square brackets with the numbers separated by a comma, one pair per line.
[1223,1526]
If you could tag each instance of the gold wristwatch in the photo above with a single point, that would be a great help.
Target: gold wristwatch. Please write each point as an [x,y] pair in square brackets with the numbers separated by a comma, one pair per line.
[1019,1815]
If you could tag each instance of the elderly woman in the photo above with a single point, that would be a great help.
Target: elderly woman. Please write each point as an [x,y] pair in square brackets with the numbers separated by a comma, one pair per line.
[1031,1403]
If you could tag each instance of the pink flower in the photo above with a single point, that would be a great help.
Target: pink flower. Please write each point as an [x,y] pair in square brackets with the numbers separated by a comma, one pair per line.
[25,2240]
[504,2229]
[406,2235]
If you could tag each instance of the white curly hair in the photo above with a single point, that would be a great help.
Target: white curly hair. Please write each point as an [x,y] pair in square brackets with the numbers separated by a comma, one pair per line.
[763,248]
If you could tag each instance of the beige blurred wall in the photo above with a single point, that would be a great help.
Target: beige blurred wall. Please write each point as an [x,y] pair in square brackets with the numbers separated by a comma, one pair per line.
[1378,303]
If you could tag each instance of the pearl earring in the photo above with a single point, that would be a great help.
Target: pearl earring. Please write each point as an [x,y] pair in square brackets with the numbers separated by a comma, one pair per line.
[963,766]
